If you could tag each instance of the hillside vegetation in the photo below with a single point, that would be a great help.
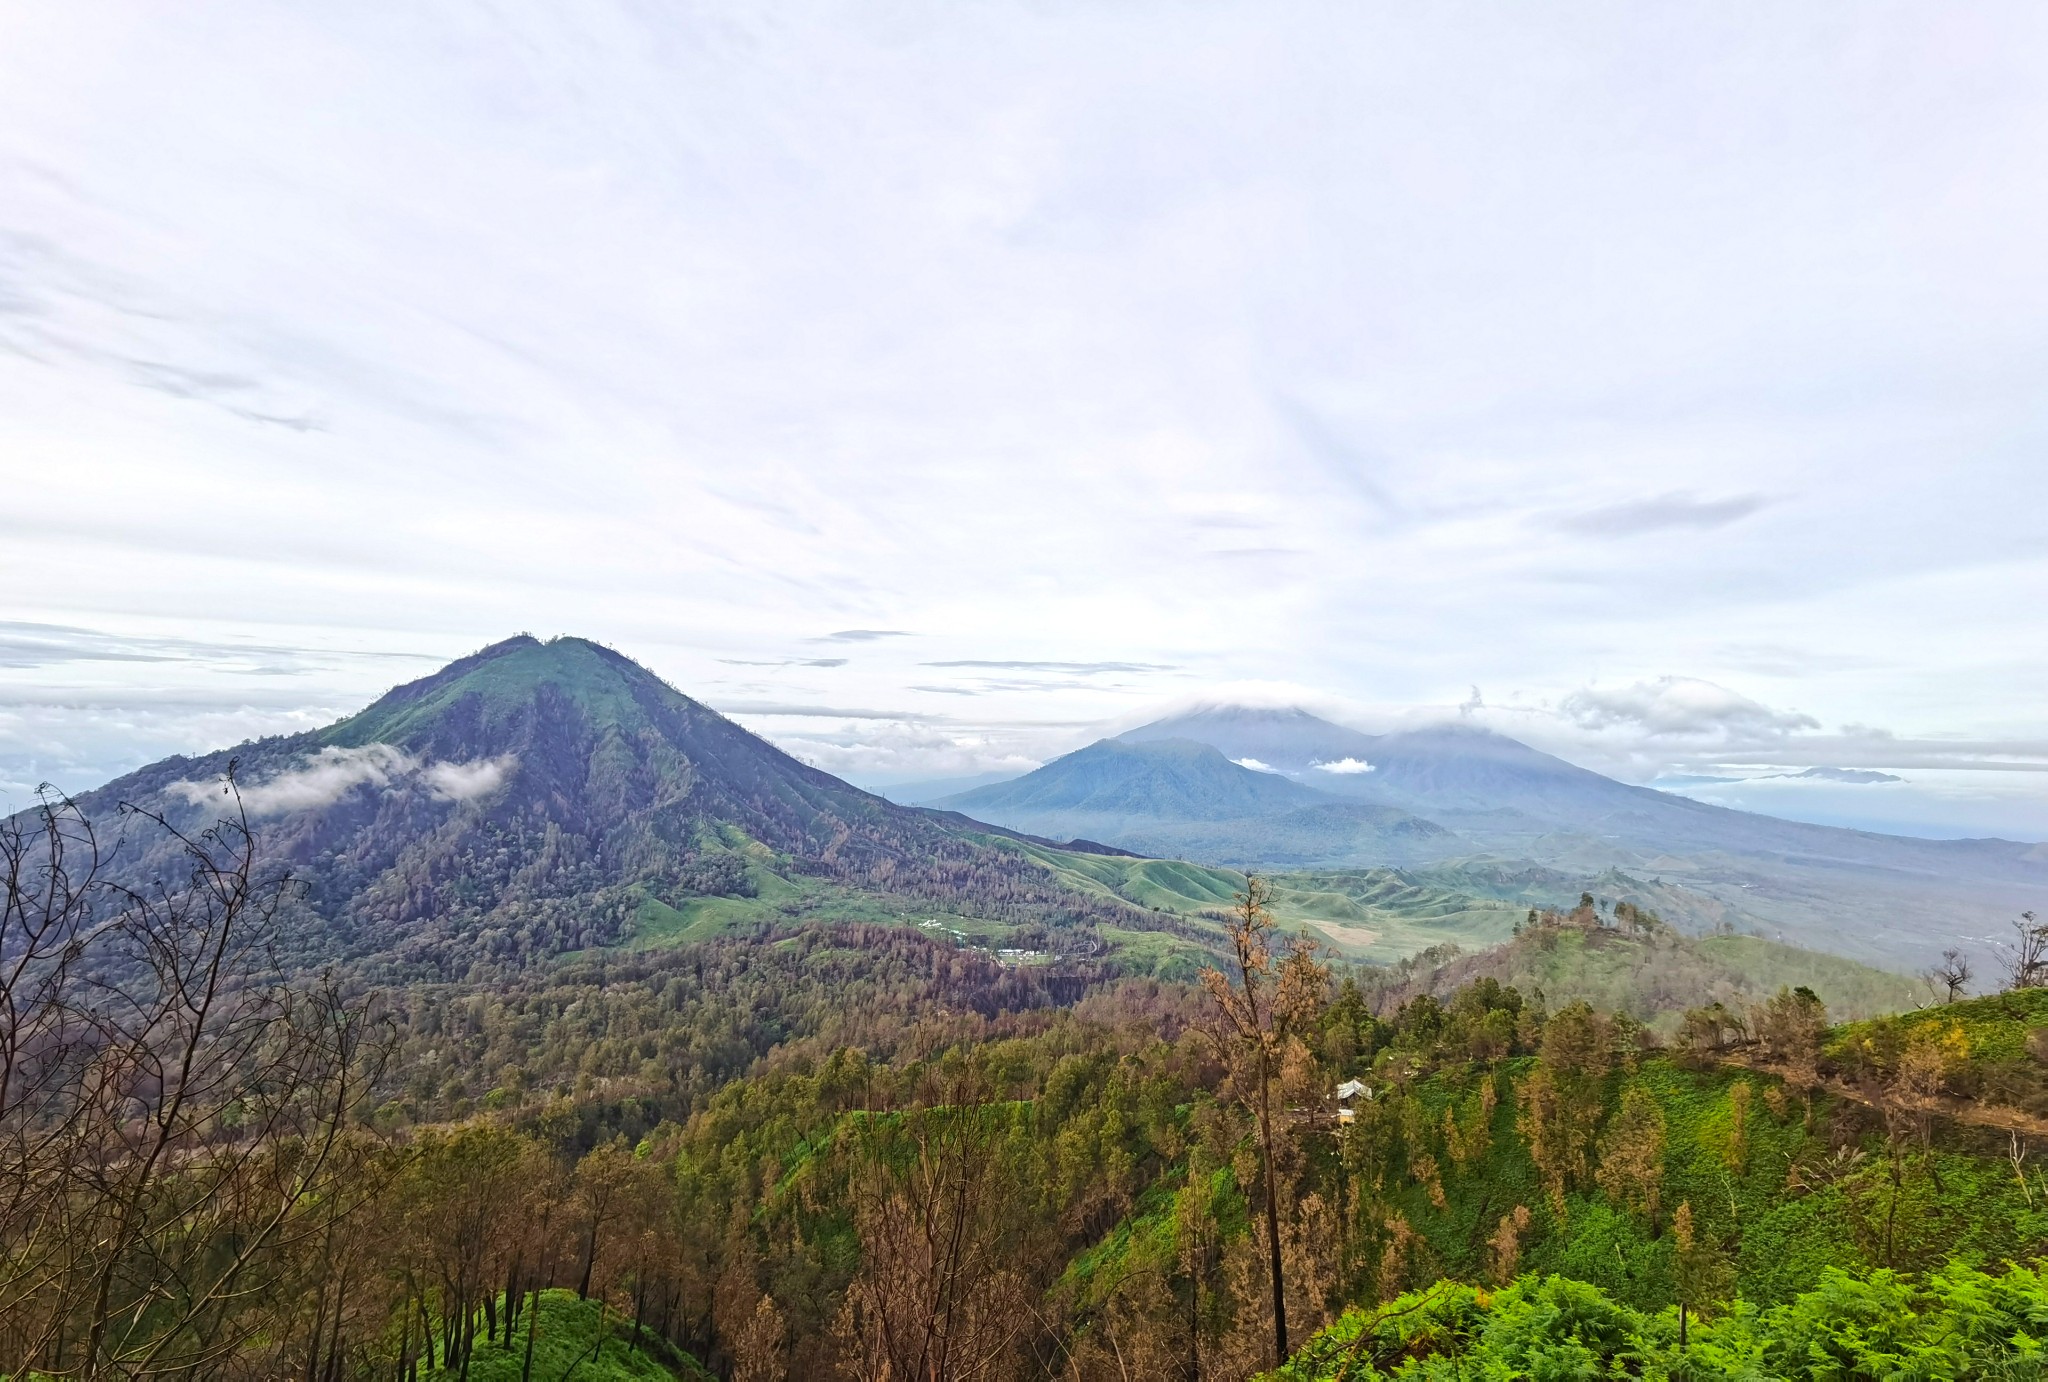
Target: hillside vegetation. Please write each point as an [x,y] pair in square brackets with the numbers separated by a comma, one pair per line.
[1957,1322]
[860,1150]
[1633,964]
[537,798]
[573,1338]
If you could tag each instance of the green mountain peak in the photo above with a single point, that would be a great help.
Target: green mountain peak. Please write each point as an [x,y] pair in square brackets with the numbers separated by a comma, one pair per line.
[500,682]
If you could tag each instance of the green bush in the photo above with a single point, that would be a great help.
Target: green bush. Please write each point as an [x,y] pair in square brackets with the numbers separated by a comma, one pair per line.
[1954,1323]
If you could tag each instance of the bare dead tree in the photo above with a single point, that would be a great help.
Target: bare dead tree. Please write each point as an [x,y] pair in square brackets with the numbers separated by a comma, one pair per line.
[49,867]
[2026,963]
[1257,1014]
[1952,974]
[174,1109]
[938,1295]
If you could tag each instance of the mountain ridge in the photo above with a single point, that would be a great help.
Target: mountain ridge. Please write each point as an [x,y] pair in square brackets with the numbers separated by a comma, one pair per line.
[1896,900]
[533,797]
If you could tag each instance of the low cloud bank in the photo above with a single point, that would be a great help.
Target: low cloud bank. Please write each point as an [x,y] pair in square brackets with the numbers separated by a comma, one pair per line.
[1681,706]
[333,773]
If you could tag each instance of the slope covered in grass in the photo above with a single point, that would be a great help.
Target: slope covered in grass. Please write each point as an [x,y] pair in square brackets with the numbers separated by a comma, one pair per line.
[576,1340]
[1653,975]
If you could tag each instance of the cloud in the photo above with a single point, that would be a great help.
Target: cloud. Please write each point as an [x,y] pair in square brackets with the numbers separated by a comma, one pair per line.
[1680,509]
[468,781]
[333,773]
[1681,707]
[814,712]
[1255,765]
[1034,203]
[1077,668]
[1851,775]
[1345,766]
[26,644]
[784,662]
[222,390]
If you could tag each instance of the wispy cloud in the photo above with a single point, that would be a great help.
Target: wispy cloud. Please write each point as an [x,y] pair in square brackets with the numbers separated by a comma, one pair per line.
[24,645]
[1076,668]
[1634,517]
[332,773]
[784,662]
[1027,360]
[787,709]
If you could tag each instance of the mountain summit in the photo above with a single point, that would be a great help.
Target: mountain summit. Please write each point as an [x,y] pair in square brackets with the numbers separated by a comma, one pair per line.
[1894,899]
[1172,779]
[1167,795]
[535,796]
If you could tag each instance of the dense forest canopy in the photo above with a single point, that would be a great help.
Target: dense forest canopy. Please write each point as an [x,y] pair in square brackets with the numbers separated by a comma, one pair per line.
[866,1150]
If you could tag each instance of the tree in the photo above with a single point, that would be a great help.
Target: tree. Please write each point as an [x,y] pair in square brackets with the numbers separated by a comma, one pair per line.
[603,1187]
[1260,1019]
[1702,1272]
[1562,1099]
[1504,1254]
[1790,1027]
[758,1353]
[939,1294]
[1705,1030]
[2026,965]
[175,1116]
[463,1220]
[1953,973]
[1632,1155]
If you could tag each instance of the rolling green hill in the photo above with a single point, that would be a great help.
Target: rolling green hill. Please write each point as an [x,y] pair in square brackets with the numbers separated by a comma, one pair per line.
[1655,976]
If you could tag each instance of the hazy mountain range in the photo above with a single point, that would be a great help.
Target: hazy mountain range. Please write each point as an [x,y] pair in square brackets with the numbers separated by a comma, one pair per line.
[1254,787]
[536,798]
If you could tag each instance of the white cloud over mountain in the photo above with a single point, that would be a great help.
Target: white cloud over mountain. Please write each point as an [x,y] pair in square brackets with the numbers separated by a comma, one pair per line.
[1000,371]
[332,773]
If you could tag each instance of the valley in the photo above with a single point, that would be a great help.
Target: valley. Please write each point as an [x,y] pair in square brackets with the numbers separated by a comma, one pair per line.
[564,1004]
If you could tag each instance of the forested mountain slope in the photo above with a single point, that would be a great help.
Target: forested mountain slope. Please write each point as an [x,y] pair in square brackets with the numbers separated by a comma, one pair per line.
[539,797]
[1109,1182]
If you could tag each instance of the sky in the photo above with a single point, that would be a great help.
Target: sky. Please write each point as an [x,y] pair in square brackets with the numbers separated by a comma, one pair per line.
[937,387]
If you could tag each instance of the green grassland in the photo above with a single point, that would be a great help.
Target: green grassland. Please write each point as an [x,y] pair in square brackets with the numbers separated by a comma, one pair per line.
[1366,916]
[575,1338]
[1385,915]
[502,687]
[1850,989]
